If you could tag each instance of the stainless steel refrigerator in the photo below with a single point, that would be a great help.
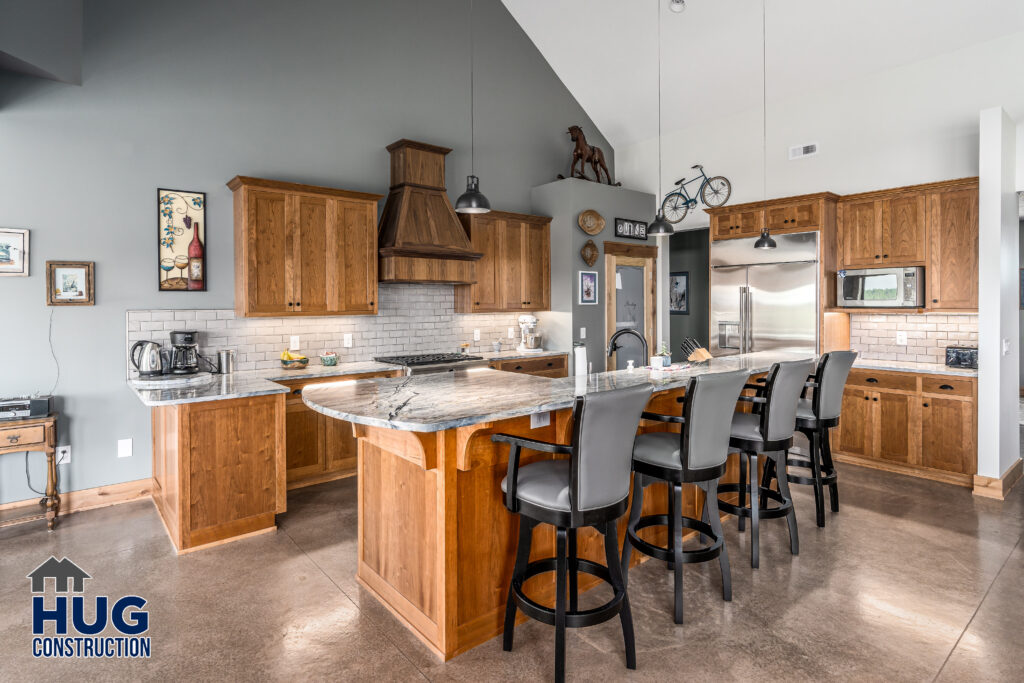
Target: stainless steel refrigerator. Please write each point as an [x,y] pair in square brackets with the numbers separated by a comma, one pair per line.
[764,299]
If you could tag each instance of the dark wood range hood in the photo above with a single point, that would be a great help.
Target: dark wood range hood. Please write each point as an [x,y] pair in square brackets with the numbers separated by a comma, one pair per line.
[420,238]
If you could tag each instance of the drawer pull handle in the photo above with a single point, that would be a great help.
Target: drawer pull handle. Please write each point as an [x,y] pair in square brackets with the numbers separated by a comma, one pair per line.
[872,380]
[297,392]
[519,367]
[925,405]
[946,387]
[15,438]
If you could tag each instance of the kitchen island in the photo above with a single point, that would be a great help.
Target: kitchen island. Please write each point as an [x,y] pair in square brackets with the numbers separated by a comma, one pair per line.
[436,545]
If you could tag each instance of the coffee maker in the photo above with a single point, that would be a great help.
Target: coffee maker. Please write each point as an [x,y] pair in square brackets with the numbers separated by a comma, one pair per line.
[184,353]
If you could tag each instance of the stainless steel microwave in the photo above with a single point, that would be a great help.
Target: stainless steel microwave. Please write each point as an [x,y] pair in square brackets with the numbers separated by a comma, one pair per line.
[880,288]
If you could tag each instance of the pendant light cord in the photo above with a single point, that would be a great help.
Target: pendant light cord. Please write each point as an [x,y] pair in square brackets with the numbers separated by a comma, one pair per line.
[472,112]
[657,7]
[764,104]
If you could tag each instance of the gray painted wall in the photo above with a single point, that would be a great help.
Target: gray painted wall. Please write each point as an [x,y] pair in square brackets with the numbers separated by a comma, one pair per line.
[187,94]
[688,251]
[42,37]
[563,200]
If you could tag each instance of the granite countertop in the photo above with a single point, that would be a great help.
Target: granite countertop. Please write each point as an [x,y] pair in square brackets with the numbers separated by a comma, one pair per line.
[432,403]
[912,366]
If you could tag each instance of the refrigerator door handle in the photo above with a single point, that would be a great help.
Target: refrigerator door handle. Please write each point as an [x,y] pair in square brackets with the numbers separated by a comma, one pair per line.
[744,319]
[749,315]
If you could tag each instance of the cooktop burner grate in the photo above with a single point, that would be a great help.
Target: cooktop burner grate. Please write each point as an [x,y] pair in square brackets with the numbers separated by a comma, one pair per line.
[426,359]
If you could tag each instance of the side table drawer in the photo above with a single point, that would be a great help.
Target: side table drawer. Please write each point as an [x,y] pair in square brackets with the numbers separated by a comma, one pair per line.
[22,436]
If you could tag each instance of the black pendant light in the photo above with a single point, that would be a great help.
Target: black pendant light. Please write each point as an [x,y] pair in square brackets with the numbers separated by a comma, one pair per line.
[660,226]
[765,241]
[472,200]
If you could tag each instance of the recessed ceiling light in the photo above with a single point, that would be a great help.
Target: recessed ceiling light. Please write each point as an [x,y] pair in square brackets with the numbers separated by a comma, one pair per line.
[677,6]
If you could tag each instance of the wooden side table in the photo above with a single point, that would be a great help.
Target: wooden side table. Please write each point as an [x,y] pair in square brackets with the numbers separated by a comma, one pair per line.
[35,434]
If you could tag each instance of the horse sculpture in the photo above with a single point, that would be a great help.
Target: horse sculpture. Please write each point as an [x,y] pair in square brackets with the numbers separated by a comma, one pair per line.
[587,154]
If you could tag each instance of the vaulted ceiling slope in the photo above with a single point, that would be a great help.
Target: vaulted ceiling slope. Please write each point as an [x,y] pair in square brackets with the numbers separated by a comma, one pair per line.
[605,51]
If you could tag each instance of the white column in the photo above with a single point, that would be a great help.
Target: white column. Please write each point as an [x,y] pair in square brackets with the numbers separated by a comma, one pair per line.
[998,314]
[661,325]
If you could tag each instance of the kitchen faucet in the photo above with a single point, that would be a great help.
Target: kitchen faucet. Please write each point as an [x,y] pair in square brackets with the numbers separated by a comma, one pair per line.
[612,346]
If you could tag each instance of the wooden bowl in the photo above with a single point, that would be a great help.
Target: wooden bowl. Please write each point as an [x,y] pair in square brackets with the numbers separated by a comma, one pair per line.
[590,222]
[297,364]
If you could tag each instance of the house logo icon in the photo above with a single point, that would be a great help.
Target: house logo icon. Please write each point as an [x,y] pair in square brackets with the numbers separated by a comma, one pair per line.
[63,572]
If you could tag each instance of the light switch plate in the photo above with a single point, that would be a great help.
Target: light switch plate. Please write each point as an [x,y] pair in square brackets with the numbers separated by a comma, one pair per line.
[583,333]
[538,420]
[901,338]
[124,448]
[476,335]
[347,340]
[293,344]
[511,333]
[1006,347]
[63,455]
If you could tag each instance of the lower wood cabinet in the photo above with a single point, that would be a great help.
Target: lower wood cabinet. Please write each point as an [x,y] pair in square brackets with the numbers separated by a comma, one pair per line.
[318,448]
[545,366]
[920,424]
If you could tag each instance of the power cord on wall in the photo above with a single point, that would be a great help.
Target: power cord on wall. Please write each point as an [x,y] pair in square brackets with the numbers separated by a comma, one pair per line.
[53,354]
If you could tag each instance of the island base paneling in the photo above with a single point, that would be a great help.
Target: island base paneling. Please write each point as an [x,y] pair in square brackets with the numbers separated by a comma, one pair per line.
[436,543]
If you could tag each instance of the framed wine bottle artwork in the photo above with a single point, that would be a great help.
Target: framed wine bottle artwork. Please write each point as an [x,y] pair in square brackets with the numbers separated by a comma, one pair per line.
[181,233]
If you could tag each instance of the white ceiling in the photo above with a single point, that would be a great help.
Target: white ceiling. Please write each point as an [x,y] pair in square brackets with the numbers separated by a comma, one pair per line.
[605,51]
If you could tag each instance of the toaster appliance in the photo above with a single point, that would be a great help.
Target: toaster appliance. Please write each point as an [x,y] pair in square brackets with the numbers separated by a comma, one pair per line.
[962,357]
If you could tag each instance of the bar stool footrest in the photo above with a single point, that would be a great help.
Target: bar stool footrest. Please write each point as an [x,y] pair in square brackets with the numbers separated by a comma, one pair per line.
[704,554]
[827,476]
[573,619]
[766,494]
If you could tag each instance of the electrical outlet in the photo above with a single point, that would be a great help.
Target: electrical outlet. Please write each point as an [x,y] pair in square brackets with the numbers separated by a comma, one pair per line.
[538,420]
[124,448]
[293,345]
[63,455]
[901,338]
[347,341]
[583,333]
[476,335]
[511,333]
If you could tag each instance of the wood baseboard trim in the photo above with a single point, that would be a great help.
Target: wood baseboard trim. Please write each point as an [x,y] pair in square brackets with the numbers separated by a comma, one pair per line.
[955,478]
[997,487]
[321,479]
[88,499]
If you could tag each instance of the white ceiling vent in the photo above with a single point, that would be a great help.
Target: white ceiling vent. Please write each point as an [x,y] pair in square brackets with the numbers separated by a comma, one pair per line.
[801,151]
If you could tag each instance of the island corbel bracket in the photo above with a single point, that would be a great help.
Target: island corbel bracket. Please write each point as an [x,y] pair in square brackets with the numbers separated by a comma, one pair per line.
[416,447]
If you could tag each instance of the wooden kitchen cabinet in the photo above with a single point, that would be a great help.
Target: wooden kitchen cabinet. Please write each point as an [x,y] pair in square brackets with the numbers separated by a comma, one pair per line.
[545,366]
[855,434]
[947,434]
[882,231]
[952,275]
[734,224]
[803,213]
[514,273]
[894,415]
[303,250]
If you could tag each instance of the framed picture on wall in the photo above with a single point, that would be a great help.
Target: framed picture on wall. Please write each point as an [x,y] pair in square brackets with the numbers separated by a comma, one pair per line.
[13,252]
[630,229]
[588,288]
[181,236]
[70,283]
[679,293]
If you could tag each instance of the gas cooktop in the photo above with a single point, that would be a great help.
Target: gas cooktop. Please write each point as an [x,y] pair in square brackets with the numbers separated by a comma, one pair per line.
[426,359]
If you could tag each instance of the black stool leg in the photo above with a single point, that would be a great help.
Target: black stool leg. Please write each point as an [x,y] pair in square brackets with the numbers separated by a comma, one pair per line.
[741,522]
[522,559]
[819,493]
[560,572]
[635,510]
[711,510]
[677,548]
[673,520]
[573,572]
[794,538]
[755,505]
[611,547]
[830,469]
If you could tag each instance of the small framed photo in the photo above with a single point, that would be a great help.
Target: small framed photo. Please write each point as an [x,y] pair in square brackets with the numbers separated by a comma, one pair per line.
[13,252]
[630,229]
[70,283]
[679,293]
[588,288]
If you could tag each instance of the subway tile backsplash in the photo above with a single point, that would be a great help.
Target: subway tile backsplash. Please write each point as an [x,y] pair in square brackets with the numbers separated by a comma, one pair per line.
[928,335]
[411,319]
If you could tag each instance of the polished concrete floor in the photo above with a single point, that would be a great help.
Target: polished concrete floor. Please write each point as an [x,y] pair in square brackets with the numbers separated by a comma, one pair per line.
[912,580]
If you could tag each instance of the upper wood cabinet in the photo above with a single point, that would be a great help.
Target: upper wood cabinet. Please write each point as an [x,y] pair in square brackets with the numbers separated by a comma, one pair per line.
[515,271]
[952,274]
[790,214]
[732,224]
[303,250]
[882,231]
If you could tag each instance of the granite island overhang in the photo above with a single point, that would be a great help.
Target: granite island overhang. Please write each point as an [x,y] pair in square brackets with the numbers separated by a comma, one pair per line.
[435,542]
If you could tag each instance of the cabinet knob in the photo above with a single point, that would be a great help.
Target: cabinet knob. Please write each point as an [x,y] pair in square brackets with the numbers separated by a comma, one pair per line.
[925,405]
[877,256]
[875,399]
[290,303]
[475,303]
[298,303]
[550,364]
[297,392]
[935,301]
[867,398]
[371,303]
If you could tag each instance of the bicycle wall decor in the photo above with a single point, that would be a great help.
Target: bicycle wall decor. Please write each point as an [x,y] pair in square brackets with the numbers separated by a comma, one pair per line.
[713,192]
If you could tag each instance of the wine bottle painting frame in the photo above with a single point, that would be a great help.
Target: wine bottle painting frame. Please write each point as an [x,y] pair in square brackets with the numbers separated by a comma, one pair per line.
[181,226]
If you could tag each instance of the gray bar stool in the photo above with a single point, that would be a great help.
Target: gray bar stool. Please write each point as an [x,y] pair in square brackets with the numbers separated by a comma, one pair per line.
[768,431]
[590,488]
[814,417]
[697,455]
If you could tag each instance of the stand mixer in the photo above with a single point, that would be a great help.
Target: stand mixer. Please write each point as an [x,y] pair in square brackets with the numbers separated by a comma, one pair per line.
[529,337]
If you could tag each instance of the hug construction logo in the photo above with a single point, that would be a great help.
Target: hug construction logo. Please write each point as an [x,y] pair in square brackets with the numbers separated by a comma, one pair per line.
[76,635]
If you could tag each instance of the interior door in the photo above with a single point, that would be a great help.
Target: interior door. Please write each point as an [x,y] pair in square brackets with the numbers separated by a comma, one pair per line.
[783,309]
[268,252]
[725,329]
[629,313]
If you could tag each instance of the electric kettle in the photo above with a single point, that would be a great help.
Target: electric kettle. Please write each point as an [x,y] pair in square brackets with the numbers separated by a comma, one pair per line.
[148,362]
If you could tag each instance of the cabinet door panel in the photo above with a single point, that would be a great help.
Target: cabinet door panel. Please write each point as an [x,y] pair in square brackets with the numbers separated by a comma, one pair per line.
[486,237]
[536,253]
[781,217]
[894,415]
[309,270]
[856,424]
[268,252]
[861,231]
[303,441]
[750,223]
[903,240]
[340,445]
[354,277]
[723,224]
[947,435]
[953,249]
[512,234]
[807,215]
